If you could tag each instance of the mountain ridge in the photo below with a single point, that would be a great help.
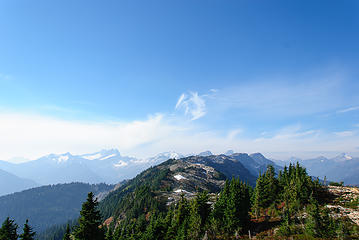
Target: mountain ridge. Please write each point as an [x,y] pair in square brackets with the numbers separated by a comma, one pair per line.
[342,167]
[10,183]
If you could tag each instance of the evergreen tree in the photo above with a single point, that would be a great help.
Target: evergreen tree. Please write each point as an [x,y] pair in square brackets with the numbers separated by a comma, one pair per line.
[202,207]
[195,220]
[170,222]
[230,213]
[27,234]
[89,221]
[67,235]
[271,187]
[258,202]
[313,224]
[266,191]
[8,230]
[220,205]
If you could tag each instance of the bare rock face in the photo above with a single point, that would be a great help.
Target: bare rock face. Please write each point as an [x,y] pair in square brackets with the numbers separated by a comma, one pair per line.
[346,202]
[339,211]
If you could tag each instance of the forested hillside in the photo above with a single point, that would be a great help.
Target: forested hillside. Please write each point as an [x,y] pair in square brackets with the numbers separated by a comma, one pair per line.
[290,204]
[285,205]
[48,205]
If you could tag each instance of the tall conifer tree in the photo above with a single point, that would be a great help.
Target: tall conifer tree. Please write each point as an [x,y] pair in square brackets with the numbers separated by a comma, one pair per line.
[8,230]
[67,235]
[90,221]
[27,234]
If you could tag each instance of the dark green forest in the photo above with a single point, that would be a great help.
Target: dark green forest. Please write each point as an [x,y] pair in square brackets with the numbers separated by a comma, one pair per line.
[48,205]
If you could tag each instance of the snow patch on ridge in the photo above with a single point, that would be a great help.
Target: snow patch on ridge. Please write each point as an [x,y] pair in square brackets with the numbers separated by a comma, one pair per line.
[179,177]
[109,156]
[93,156]
[120,164]
[181,191]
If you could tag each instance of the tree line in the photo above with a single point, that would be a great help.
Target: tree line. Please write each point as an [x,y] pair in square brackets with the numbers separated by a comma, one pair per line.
[8,231]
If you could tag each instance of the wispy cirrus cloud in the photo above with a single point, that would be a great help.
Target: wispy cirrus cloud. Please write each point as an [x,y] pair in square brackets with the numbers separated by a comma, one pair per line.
[193,104]
[350,109]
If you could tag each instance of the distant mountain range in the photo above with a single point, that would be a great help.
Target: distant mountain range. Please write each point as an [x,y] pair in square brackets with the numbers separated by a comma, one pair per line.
[340,168]
[109,166]
[10,183]
[106,166]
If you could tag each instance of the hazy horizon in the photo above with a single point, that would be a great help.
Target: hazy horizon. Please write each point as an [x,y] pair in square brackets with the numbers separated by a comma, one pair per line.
[281,156]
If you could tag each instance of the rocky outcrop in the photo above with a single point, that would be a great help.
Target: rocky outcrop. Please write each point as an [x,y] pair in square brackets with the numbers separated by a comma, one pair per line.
[338,211]
[345,203]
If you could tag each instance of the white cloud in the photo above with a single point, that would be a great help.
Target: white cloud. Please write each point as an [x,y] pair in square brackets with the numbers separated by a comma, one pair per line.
[345,133]
[294,132]
[33,136]
[348,109]
[121,164]
[234,133]
[193,105]
[180,100]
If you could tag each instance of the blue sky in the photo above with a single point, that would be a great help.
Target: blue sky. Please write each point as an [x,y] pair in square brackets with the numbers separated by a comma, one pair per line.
[150,76]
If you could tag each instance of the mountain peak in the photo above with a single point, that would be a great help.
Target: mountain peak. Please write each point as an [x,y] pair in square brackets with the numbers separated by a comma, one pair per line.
[109,151]
[342,157]
[229,152]
[168,155]
[258,155]
[205,154]
[102,155]
[59,158]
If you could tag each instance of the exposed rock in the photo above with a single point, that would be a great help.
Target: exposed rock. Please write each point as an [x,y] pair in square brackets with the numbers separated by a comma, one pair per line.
[344,197]
[339,211]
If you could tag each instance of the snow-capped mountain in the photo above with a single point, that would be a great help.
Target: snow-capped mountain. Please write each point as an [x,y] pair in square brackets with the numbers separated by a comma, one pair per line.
[229,152]
[64,168]
[102,155]
[56,168]
[107,166]
[164,156]
[342,157]
[205,154]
